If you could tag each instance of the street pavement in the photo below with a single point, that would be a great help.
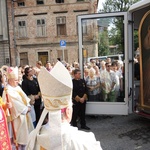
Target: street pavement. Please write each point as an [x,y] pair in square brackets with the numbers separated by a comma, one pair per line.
[130,132]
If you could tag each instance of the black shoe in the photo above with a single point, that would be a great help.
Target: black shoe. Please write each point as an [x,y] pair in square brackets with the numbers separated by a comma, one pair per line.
[85,127]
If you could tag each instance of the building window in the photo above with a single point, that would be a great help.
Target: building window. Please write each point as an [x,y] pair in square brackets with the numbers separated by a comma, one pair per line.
[22,29]
[60,55]
[84,27]
[41,28]
[23,58]
[39,2]
[20,4]
[59,1]
[61,25]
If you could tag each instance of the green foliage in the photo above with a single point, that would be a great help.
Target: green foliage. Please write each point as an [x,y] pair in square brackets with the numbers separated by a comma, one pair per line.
[103,44]
[117,5]
[116,33]
[136,38]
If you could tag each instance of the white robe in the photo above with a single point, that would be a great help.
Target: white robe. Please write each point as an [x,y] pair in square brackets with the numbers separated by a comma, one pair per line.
[72,139]
[21,118]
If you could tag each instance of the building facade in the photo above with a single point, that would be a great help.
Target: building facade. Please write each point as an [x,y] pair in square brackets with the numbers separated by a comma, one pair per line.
[36,28]
[4,38]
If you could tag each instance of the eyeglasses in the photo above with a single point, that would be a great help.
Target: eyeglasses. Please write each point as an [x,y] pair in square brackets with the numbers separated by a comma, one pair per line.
[108,66]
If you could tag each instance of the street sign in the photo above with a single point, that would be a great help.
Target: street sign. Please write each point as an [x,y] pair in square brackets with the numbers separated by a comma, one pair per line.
[62,43]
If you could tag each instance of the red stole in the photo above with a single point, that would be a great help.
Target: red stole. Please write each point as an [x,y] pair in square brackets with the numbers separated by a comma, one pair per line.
[4,135]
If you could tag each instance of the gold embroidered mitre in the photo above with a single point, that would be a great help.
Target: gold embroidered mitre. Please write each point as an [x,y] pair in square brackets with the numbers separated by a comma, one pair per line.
[56,87]
[56,92]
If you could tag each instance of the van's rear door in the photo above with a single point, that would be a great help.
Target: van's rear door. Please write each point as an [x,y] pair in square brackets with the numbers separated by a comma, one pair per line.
[97,32]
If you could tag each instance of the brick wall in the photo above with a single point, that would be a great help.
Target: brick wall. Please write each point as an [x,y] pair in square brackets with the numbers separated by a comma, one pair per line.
[50,43]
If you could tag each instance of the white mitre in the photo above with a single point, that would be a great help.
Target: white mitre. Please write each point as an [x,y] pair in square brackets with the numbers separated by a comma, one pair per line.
[12,73]
[56,87]
[56,90]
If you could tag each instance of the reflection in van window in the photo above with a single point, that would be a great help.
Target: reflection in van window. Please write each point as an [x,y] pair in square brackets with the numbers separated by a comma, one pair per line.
[100,58]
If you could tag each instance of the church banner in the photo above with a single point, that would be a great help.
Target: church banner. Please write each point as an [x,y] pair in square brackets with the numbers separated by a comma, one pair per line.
[4,135]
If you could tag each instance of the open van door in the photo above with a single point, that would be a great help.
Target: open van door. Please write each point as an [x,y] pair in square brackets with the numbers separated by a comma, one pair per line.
[96,32]
[140,13]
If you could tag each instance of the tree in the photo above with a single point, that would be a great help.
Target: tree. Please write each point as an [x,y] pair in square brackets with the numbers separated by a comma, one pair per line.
[116,33]
[117,5]
[136,40]
[103,44]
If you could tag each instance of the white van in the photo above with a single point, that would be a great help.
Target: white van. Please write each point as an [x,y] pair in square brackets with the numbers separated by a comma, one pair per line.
[116,57]
[135,97]
[95,58]
[113,57]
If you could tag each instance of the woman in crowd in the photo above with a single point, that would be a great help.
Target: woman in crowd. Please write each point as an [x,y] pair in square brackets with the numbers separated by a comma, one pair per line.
[93,86]
[86,73]
[31,87]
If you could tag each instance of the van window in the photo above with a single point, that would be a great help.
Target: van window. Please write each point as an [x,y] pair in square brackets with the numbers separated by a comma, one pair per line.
[113,57]
[116,57]
[95,58]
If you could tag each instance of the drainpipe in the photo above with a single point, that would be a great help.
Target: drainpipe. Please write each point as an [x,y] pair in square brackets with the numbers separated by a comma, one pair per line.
[10,63]
[13,23]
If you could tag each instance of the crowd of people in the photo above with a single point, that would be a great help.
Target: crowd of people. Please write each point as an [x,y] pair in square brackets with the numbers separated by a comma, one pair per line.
[25,98]
[22,97]
[103,79]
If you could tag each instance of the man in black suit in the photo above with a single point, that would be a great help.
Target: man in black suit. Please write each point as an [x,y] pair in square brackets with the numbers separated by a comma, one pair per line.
[79,97]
